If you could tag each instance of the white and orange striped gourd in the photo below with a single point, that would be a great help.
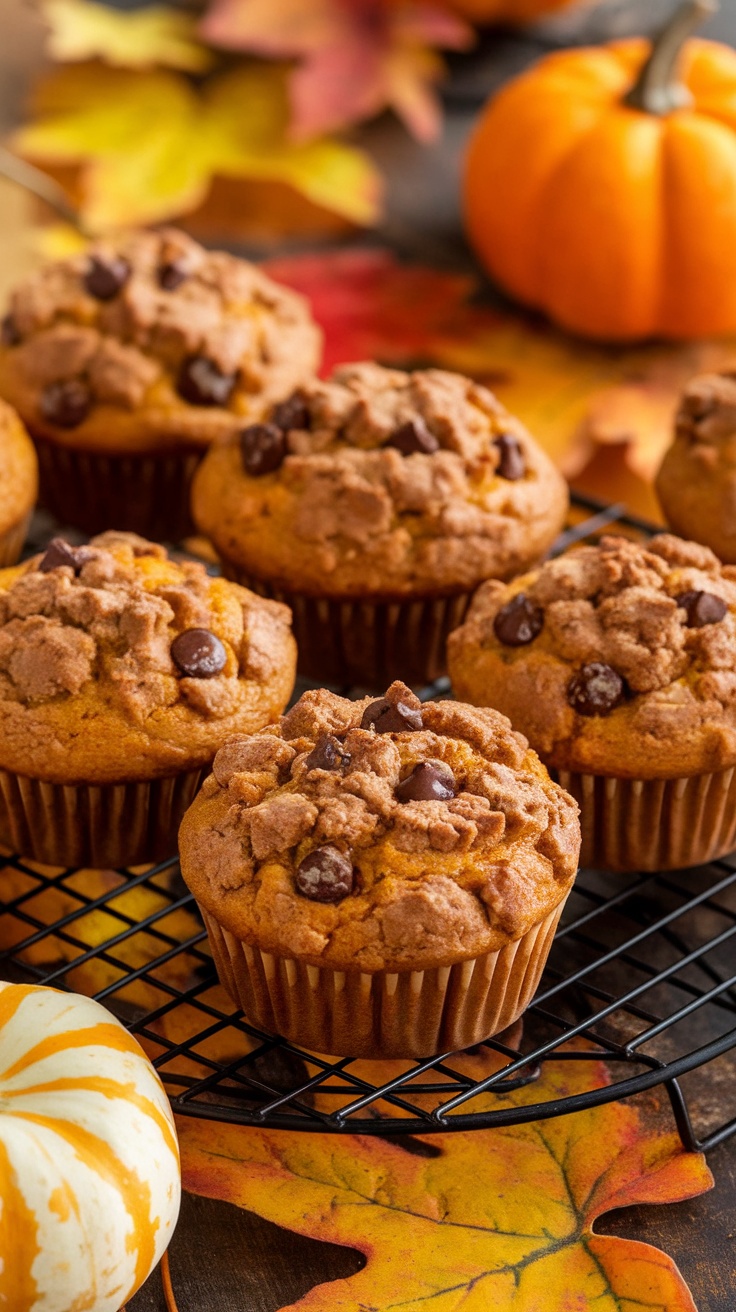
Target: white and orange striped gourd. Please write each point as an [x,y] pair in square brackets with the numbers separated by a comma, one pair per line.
[89,1162]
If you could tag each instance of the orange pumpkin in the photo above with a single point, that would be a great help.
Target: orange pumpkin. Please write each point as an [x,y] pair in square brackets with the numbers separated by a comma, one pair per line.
[506,11]
[89,1163]
[601,188]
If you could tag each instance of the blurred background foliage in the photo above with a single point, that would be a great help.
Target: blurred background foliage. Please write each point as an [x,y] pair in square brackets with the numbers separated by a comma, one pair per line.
[214,114]
[266,119]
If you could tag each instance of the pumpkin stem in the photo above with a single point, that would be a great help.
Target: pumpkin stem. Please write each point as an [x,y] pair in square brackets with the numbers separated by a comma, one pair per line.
[658,89]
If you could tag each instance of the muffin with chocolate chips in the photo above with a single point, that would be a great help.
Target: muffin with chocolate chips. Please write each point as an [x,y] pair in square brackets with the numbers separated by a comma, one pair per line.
[127,361]
[374,503]
[18,484]
[122,672]
[696,483]
[381,878]
[618,661]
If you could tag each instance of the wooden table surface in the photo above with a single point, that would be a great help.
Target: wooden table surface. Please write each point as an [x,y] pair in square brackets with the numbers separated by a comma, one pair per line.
[224,1259]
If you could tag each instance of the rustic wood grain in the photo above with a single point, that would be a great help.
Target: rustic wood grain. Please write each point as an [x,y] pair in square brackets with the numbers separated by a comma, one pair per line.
[228,1260]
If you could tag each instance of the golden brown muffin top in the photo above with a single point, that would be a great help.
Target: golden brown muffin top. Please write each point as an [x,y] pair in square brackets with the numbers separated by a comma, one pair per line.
[618,658]
[18,469]
[707,411]
[380,834]
[696,482]
[119,663]
[381,482]
[188,341]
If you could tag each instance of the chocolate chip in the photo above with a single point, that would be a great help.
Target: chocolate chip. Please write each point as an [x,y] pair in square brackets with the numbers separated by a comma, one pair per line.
[200,382]
[511,463]
[701,608]
[414,436]
[66,403]
[9,332]
[198,653]
[596,689]
[518,622]
[385,718]
[59,553]
[291,413]
[172,275]
[326,875]
[106,276]
[262,449]
[327,754]
[431,781]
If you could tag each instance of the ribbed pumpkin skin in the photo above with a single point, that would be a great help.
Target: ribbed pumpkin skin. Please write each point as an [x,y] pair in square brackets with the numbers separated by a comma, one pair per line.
[89,1163]
[621,225]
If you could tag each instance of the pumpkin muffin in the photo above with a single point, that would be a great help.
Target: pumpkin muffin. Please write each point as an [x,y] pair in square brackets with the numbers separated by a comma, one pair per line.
[381,878]
[618,661]
[374,503]
[128,360]
[696,483]
[122,672]
[18,484]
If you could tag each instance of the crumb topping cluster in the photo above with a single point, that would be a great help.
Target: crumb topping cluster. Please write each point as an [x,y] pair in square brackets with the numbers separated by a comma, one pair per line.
[113,655]
[420,478]
[78,613]
[649,615]
[642,633]
[128,321]
[383,826]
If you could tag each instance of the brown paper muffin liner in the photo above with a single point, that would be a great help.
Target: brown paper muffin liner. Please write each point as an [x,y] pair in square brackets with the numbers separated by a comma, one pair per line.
[368,643]
[654,824]
[405,1013]
[98,825]
[146,493]
[12,540]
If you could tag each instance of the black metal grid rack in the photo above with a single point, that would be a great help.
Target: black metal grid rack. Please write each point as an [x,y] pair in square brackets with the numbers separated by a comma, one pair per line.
[641,976]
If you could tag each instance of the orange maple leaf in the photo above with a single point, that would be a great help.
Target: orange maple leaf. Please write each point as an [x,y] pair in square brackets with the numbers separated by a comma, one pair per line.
[356,57]
[500,1218]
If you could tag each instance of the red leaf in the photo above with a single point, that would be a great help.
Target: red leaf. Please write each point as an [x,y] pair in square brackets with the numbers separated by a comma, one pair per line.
[357,56]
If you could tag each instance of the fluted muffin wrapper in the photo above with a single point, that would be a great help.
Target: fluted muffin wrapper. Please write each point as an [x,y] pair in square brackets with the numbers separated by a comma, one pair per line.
[366,642]
[654,824]
[404,1013]
[12,540]
[97,825]
[144,492]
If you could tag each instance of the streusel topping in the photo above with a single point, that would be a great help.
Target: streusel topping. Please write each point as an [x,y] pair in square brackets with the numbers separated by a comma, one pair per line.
[380,831]
[381,479]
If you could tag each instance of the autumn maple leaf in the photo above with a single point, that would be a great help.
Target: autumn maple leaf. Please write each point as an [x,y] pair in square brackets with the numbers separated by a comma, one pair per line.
[139,38]
[356,57]
[499,1219]
[149,143]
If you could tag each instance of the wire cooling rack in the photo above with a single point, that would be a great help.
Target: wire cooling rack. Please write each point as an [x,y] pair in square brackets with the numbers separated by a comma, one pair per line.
[640,976]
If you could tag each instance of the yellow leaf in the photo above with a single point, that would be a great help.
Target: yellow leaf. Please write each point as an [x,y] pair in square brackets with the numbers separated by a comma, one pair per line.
[149,143]
[249,116]
[138,38]
[497,1219]
[136,133]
